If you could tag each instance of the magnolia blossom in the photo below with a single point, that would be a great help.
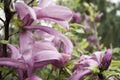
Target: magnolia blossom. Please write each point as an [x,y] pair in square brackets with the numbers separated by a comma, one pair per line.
[55,13]
[31,53]
[92,64]
[77,18]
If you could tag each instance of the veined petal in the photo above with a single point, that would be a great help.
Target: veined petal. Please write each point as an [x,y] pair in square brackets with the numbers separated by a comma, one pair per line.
[12,63]
[80,74]
[45,3]
[34,78]
[106,60]
[54,12]
[67,47]
[49,56]
[41,46]
[26,44]
[14,52]
[25,13]
[89,62]
[97,56]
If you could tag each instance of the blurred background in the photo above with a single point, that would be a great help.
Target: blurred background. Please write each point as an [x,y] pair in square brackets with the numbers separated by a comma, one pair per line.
[109,24]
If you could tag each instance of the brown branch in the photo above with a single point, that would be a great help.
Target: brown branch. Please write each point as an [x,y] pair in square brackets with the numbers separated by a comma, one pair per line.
[8,16]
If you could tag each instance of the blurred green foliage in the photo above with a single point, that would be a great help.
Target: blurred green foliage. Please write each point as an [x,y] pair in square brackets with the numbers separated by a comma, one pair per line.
[109,24]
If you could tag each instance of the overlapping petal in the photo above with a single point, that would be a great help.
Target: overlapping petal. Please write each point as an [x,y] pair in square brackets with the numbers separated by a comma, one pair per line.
[67,47]
[80,74]
[25,13]
[15,54]
[26,40]
[55,13]
[12,63]
[91,64]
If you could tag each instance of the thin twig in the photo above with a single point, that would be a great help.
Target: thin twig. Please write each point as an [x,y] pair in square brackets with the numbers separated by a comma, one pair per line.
[13,33]
[31,2]
[2,20]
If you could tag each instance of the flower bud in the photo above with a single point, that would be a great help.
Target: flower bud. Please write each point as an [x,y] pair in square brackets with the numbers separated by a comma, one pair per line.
[106,60]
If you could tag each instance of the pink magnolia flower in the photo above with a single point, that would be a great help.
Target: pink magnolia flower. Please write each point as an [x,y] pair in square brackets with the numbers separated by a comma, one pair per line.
[31,55]
[55,13]
[77,18]
[92,64]
[51,12]
[67,46]
[25,13]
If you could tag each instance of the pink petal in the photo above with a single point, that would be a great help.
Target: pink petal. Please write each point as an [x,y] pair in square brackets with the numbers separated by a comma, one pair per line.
[12,63]
[48,56]
[14,52]
[97,56]
[41,46]
[45,3]
[54,12]
[25,13]
[80,74]
[67,47]
[34,78]
[26,44]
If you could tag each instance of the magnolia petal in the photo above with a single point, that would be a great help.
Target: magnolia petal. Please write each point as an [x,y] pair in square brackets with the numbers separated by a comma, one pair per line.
[25,12]
[89,62]
[63,24]
[14,52]
[45,3]
[41,46]
[48,55]
[54,12]
[97,56]
[34,78]
[67,47]
[80,74]
[106,60]
[26,44]
[84,57]
[12,63]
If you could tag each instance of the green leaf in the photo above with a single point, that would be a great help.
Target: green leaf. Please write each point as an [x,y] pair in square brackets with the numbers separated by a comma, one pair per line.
[115,63]
[1,5]
[94,68]
[3,41]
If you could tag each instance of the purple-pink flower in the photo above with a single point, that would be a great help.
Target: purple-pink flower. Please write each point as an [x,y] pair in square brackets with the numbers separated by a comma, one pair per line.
[95,63]
[31,53]
[77,18]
